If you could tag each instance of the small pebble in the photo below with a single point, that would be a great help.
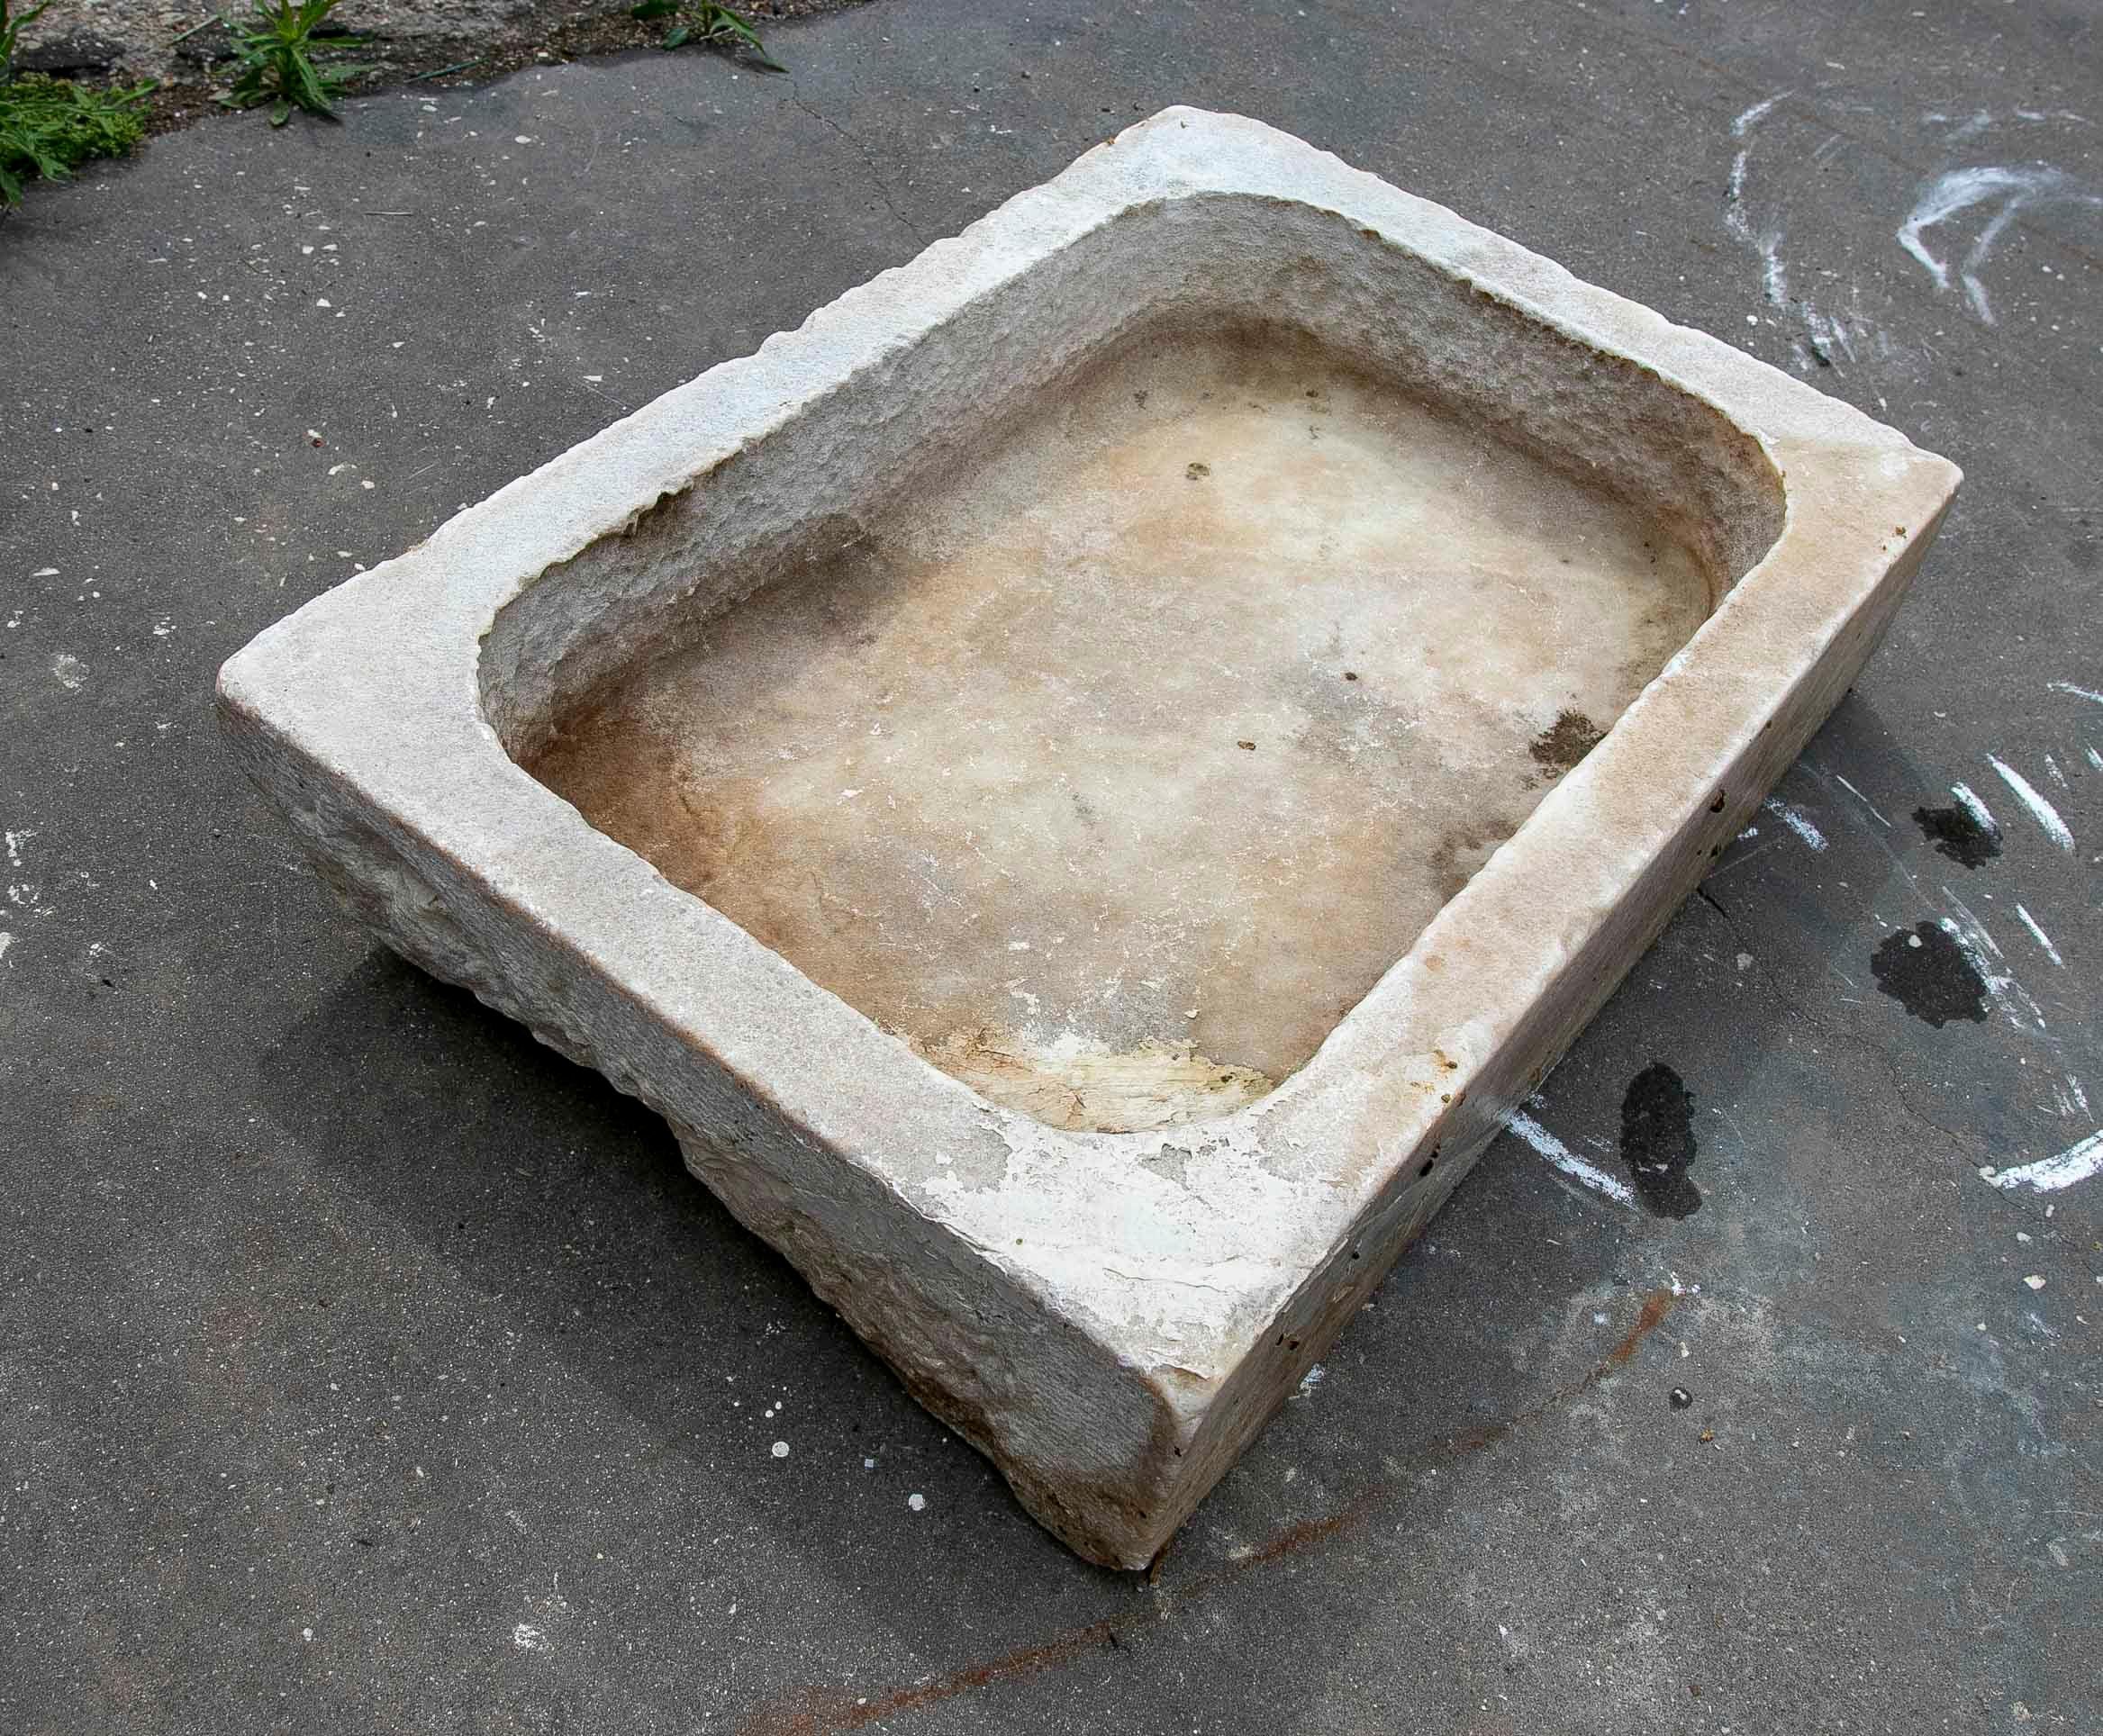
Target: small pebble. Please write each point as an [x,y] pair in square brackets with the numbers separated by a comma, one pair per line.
[780,1449]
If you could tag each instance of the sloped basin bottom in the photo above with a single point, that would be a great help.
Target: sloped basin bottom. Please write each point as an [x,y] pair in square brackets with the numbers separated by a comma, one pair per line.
[1112,770]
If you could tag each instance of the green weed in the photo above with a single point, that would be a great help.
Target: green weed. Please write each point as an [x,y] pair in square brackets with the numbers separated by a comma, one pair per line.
[47,126]
[276,48]
[708,24]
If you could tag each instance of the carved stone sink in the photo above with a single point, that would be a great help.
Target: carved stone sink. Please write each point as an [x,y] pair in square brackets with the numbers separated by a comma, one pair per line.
[1086,782]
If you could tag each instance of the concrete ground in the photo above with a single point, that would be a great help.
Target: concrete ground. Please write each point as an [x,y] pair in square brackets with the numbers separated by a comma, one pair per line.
[365,1367]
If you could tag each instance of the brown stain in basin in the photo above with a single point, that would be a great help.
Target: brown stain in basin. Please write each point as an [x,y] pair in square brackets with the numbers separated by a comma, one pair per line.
[1566,741]
[977,768]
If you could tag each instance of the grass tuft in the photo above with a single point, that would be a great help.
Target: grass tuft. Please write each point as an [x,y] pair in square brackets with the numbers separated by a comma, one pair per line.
[278,50]
[706,23]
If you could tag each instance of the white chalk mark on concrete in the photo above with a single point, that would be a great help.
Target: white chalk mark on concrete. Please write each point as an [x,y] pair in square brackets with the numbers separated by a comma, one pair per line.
[2077,1162]
[2041,810]
[1981,814]
[1865,801]
[1797,820]
[2040,936]
[1767,244]
[1758,113]
[1991,963]
[1956,190]
[1568,1162]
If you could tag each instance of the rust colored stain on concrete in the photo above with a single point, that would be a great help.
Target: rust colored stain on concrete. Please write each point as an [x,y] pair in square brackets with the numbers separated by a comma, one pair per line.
[820,1711]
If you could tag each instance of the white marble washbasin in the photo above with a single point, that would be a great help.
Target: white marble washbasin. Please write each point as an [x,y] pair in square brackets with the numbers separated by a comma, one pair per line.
[1087,781]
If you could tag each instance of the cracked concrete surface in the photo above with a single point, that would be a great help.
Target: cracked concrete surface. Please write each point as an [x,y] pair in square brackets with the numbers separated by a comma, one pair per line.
[331,1306]
[868,162]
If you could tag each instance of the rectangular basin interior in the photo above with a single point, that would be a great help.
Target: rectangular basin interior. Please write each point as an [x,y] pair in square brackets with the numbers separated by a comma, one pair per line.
[1117,723]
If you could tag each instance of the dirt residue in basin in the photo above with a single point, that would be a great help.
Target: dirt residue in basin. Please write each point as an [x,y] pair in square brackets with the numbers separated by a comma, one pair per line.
[1067,1085]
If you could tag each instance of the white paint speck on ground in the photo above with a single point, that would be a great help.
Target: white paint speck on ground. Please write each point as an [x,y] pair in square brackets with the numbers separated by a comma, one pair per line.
[2034,1281]
[780,1449]
[2077,1162]
[1797,820]
[916,1502]
[69,670]
[2041,810]
[530,1638]
[1568,1161]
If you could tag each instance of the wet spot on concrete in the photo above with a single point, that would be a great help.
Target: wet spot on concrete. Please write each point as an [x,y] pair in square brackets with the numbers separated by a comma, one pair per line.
[1657,1141]
[1565,742]
[1927,974]
[1957,833]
